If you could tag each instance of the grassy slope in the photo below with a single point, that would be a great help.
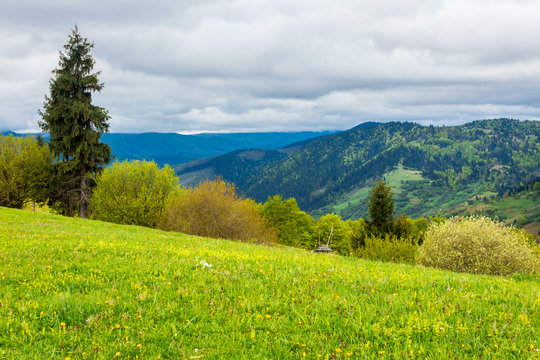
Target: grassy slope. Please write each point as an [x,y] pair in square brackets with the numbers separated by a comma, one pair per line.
[518,209]
[84,289]
[359,197]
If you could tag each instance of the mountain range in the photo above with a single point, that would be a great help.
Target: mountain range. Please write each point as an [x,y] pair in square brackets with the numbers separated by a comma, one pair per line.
[173,148]
[430,168]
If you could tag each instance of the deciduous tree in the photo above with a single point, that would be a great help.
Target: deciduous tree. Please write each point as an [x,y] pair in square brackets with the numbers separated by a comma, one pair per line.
[24,170]
[132,192]
[213,209]
[295,227]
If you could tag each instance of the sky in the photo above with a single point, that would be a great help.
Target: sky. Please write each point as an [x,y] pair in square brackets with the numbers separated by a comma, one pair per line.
[278,65]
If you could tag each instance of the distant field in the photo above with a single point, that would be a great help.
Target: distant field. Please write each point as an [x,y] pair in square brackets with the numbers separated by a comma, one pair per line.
[398,176]
[359,197]
[72,288]
[522,209]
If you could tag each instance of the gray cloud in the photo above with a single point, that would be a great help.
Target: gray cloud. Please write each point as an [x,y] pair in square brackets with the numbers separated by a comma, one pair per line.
[225,65]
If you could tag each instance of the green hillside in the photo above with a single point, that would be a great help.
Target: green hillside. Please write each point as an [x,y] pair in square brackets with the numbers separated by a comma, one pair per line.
[236,166]
[431,168]
[520,208]
[72,288]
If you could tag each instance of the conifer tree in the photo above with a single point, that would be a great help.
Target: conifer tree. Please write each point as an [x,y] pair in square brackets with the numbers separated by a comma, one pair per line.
[381,208]
[74,124]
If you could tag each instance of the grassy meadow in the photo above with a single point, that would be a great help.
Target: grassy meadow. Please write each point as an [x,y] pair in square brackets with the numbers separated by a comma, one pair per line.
[82,289]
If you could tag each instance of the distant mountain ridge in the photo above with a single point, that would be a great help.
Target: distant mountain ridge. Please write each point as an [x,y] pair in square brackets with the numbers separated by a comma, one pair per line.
[430,167]
[173,148]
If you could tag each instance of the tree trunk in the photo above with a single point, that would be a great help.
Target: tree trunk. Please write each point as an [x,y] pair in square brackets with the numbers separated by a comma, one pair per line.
[83,205]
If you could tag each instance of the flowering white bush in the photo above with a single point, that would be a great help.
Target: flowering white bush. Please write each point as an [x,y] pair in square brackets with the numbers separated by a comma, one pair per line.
[477,245]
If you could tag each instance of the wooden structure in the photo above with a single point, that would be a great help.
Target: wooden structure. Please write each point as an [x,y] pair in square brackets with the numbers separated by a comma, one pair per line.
[325,248]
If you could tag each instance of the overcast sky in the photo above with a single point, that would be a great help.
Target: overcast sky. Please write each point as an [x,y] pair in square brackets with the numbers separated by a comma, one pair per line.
[279,65]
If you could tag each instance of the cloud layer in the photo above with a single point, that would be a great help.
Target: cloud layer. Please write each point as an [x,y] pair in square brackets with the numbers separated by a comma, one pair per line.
[261,65]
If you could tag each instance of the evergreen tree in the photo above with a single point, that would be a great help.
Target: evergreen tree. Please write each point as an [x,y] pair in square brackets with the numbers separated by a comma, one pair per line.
[73,123]
[381,209]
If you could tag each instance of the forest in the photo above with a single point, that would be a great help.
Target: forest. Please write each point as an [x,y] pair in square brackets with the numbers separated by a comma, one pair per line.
[333,173]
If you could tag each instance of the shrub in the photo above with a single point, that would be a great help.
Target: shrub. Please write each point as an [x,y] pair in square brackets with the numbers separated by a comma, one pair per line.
[389,248]
[213,209]
[294,227]
[403,226]
[24,170]
[132,193]
[358,231]
[477,245]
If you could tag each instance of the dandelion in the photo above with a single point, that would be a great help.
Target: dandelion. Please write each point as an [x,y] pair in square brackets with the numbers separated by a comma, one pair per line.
[268,316]
[117,326]
[338,350]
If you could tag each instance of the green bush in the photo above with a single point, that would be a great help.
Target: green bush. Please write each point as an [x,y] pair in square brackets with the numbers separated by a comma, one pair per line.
[358,231]
[477,245]
[294,227]
[389,248]
[132,193]
[24,170]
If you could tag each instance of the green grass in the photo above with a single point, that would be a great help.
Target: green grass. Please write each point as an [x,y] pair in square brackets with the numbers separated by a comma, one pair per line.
[518,209]
[359,197]
[356,198]
[72,288]
[398,176]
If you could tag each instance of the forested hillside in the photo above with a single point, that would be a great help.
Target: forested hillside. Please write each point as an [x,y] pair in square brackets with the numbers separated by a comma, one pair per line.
[430,168]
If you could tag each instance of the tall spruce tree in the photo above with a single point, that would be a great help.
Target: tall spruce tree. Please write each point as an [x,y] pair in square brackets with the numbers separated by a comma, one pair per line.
[73,123]
[381,209]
